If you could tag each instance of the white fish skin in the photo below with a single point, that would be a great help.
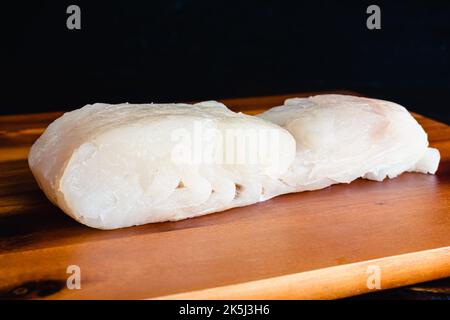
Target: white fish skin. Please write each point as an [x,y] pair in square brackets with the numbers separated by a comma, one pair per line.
[113,166]
[341,138]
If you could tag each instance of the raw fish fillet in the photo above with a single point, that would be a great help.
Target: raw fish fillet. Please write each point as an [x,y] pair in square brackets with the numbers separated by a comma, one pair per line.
[341,138]
[113,166]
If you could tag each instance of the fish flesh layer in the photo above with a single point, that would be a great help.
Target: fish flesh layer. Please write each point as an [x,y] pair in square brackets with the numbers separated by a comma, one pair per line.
[341,138]
[114,166]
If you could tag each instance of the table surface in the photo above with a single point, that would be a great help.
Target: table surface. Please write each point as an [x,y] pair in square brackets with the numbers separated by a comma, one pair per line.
[320,244]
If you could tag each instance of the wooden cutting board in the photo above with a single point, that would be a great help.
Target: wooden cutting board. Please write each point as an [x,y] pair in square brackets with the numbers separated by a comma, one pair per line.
[329,243]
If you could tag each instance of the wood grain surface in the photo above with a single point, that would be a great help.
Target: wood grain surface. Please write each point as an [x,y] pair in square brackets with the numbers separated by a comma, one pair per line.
[316,244]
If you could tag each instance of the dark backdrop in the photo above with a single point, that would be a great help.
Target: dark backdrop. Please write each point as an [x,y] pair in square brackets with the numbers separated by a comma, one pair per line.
[182,50]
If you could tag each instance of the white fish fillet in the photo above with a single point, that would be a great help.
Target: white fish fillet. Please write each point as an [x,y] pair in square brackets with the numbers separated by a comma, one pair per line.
[113,166]
[341,138]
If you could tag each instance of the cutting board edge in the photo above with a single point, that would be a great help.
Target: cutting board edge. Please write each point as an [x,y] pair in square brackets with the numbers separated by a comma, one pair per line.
[400,270]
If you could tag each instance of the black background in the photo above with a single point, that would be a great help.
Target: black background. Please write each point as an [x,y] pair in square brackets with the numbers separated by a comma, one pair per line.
[181,50]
